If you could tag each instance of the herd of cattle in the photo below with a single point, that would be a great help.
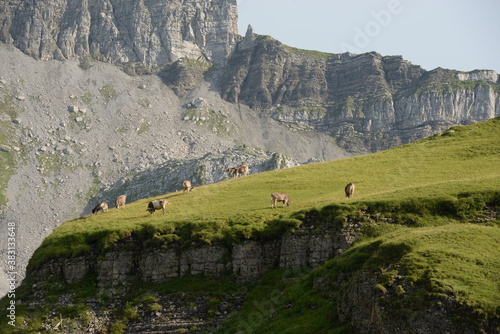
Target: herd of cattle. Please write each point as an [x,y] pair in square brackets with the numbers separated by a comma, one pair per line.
[160,204]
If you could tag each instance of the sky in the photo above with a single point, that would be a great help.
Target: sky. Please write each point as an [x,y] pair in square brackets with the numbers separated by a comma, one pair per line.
[463,35]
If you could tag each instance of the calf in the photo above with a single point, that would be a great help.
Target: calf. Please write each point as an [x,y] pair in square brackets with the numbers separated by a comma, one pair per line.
[102,206]
[279,197]
[349,190]
[120,201]
[186,185]
[157,205]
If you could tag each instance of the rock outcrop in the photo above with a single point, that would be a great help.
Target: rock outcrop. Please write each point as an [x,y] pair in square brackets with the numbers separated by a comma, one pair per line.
[366,102]
[131,259]
[149,32]
[211,168]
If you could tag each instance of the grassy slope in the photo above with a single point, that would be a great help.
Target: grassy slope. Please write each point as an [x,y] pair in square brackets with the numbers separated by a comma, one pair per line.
[455,261]
[463,159]
[436,172]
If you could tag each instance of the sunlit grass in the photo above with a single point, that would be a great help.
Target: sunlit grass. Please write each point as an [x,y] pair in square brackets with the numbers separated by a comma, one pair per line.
[458,261]
[462,160]
[440,240]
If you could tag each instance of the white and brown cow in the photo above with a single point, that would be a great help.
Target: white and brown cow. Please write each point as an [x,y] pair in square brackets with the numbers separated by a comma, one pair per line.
[243,169]
[157,205]
[186,185]
[120,201]
[102,206]
[280,197]
[349,190]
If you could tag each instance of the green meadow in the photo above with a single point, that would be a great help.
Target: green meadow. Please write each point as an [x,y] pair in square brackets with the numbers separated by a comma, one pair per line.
[442,169]
[436,200]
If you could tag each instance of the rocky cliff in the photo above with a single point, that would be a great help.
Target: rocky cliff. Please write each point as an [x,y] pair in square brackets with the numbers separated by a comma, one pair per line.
[366,102]
[139,258]
[137,261]
[118,31]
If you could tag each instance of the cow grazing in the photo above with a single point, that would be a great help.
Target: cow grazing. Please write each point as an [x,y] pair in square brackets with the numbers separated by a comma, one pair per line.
[279,197]
[102,206]
[157,205]
[236,171]
[349,190]
[186,185]
[120,201]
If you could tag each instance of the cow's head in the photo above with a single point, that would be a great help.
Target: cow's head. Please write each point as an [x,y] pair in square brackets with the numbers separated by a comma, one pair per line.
[150,208]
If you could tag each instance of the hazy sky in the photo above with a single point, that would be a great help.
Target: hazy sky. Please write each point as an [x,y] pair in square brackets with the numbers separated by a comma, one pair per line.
[457,34]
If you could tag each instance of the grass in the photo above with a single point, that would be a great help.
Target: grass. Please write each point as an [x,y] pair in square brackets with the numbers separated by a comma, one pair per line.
[430,173]
[428,211]
[108,92]
[444,258]
[456,260]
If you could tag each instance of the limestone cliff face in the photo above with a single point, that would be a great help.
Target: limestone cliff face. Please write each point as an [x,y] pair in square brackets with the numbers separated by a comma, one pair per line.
[248,259]
[148,31]
[367,102]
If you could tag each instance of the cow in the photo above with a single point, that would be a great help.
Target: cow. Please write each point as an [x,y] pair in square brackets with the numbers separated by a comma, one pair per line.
[279,197]
[102,206]
[232,171]
[120,201]
[243,169]
[349,190]
[157,205]
[186,185]
[236,171]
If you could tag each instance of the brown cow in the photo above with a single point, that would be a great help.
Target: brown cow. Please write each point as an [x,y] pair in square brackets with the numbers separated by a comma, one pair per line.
[186,185]
[157,205]
[232,171]
[243,169]
[236,171]
[120,201]
[102,206]
[279,197]
[349,190]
